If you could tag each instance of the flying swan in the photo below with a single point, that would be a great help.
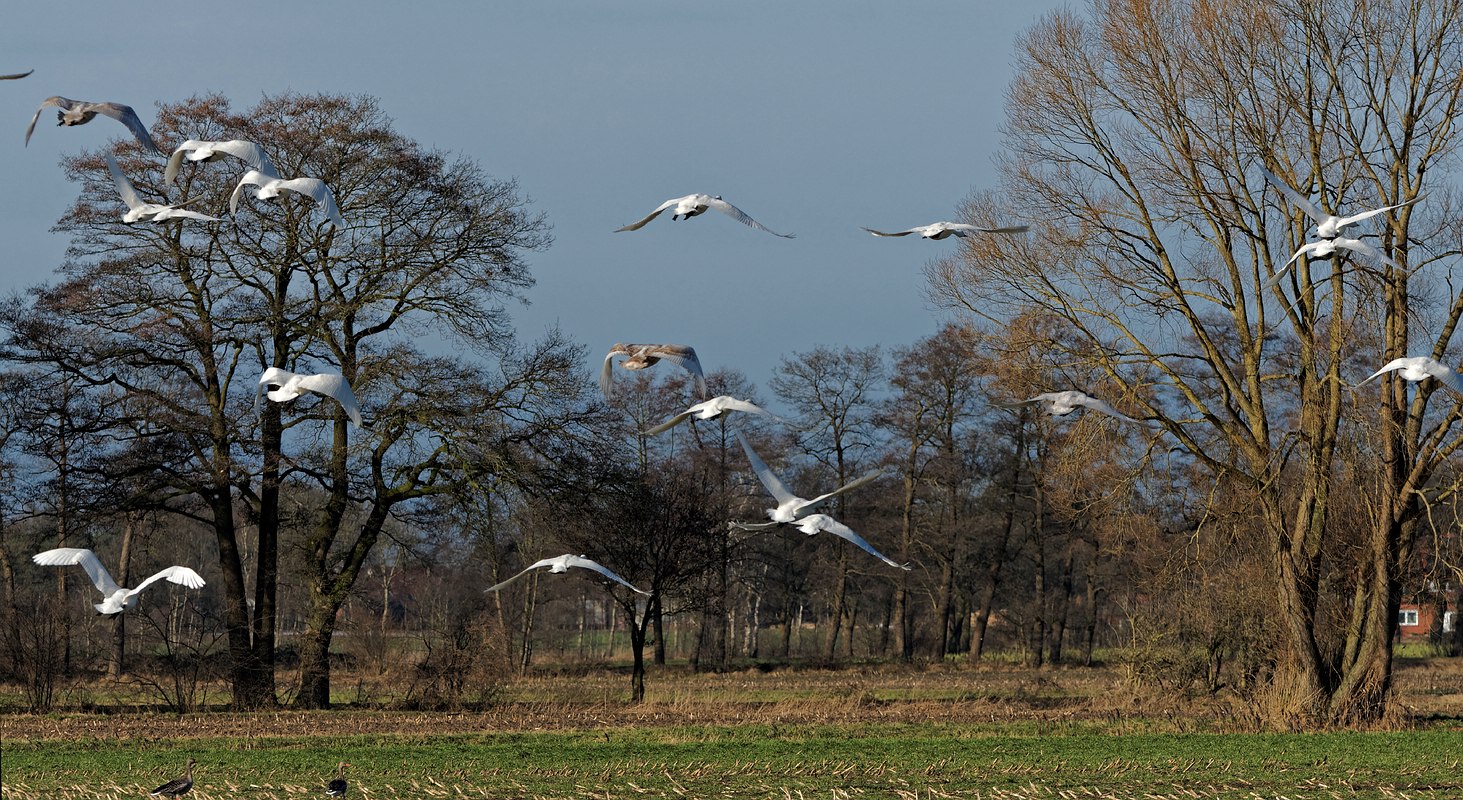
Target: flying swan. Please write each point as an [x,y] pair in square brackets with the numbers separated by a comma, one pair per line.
[560,565]
[115,599]
[695,204]
[80,112]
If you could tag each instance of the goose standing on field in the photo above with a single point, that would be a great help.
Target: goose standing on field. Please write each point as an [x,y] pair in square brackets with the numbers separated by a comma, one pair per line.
[80,112]
[1060,404]
[146,212]
[696,204]
[176,786]
[269,187]
[561,564]
[1328,226]
[1420,368]
[640,356]
[198,150]
[711,409]
[294,384]
[337,785]
[115,599]
[943,230]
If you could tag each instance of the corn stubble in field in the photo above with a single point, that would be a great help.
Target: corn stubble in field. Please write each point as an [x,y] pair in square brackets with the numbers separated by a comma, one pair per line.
[988,733]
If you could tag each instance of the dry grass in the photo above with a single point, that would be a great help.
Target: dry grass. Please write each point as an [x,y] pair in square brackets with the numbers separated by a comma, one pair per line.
[1049,700]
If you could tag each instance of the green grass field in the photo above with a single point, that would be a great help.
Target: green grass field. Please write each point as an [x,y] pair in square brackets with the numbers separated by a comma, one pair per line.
[907,760]
[996,731]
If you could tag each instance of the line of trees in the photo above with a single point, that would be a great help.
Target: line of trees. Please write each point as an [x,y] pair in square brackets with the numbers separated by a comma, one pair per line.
[1258,534]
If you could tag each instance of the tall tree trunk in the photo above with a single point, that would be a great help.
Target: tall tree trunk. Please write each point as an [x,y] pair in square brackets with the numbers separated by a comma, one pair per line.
[903,614]
[980,619]
[1089,633]
[657,619]
[1059,626]
[638,628]
[117,664]
[1036,637]
[314,689]
[945,608]
[835,614]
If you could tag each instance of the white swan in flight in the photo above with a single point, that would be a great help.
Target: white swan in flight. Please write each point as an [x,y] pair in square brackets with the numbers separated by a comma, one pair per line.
[792,510]
[943,230]
[137,210]
[711,409]
[561,564]
[790,507]
[115,599]
[198,150]
[269,187]
[80,112]
[1060,404]
[640,356]
[1326,247]
[294,384]
[694,204]
[1420,368]
[1328,226]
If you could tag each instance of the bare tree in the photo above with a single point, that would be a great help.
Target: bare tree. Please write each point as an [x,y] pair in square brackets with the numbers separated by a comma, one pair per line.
[182,318]
[936,398]
[833,393]
[1138,135]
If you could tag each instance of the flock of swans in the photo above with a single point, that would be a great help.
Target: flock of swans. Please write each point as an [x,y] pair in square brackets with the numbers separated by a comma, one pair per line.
[282,386]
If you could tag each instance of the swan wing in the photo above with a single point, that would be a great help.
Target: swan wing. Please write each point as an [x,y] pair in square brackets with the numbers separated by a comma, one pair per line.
[248,152]
[316,190]
[894,233]
[124,186]
[1103,406]
[175,161]
[1367,249]
[1394,364]
[585,563]
[833,526]
[334,385]
[685,358]
[1444,373]
[531,567]
[730,403]
[963,229]
[251,178]
[1300,201]
[173,212]
[1030,401]
[183,576]
[670,423]
[66,556]
[126,116]
[635,226]
[742,217]
[606,378]
[850,486]
[765,474]
[1365,215]
[54,101]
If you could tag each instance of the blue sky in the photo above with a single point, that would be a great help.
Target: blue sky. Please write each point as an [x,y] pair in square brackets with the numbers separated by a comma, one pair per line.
[815,118]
